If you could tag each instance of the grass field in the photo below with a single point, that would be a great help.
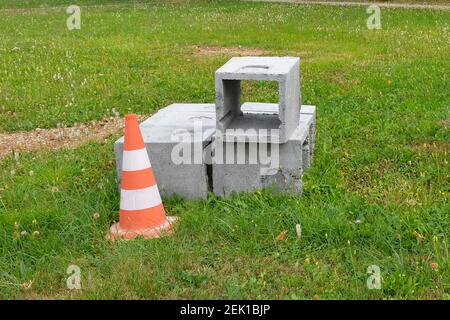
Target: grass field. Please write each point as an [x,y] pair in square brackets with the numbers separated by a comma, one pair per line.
[382,153]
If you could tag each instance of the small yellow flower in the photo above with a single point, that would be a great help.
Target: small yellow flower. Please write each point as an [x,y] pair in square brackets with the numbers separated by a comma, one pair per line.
[96,215]
[36,233]
[55,189]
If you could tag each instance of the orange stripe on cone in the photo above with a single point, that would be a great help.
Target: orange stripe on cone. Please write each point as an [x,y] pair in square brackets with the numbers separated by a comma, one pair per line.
[138,179]
[141,219]
[141,210]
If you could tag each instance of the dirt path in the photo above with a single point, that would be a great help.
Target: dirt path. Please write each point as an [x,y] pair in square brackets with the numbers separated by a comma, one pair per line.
[58,138]
[63,8]
[330,3]
[366,4]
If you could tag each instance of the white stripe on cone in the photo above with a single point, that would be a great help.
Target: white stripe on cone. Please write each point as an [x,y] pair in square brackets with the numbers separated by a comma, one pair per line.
[135,160]
[140,199]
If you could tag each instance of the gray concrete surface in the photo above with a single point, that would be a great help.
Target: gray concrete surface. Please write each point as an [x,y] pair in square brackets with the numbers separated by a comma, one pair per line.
[294,157]
[162,133]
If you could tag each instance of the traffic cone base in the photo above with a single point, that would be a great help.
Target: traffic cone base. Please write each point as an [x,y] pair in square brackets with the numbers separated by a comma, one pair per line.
[116,232]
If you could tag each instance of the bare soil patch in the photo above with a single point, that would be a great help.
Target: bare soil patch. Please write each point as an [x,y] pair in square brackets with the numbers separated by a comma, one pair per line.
[432,147]
[59,138]
[200,51]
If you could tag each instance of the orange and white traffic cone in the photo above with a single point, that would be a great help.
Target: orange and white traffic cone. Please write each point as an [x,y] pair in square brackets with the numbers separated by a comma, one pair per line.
[141,209]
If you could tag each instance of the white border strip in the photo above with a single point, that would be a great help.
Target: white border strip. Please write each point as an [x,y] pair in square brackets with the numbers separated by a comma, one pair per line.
[140,199]
[135,160]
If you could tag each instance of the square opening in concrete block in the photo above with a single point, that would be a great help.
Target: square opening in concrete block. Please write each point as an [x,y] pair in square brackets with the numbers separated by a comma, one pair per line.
[247,118]
[233,123]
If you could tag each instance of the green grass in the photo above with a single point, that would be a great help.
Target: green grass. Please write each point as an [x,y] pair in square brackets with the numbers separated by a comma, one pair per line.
[381,154]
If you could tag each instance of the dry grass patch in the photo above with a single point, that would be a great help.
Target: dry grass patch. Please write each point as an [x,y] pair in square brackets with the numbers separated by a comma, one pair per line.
[59,138]
[201,51]
[444,123]
[436,147]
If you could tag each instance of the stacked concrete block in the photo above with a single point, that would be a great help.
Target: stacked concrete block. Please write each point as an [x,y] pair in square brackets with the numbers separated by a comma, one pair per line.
[178,128]
[284,70]
[286,148]
[195,180]
[294,157]
[230,147]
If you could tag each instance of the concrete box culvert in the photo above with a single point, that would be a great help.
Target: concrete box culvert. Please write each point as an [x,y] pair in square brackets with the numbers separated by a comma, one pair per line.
[229,113]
